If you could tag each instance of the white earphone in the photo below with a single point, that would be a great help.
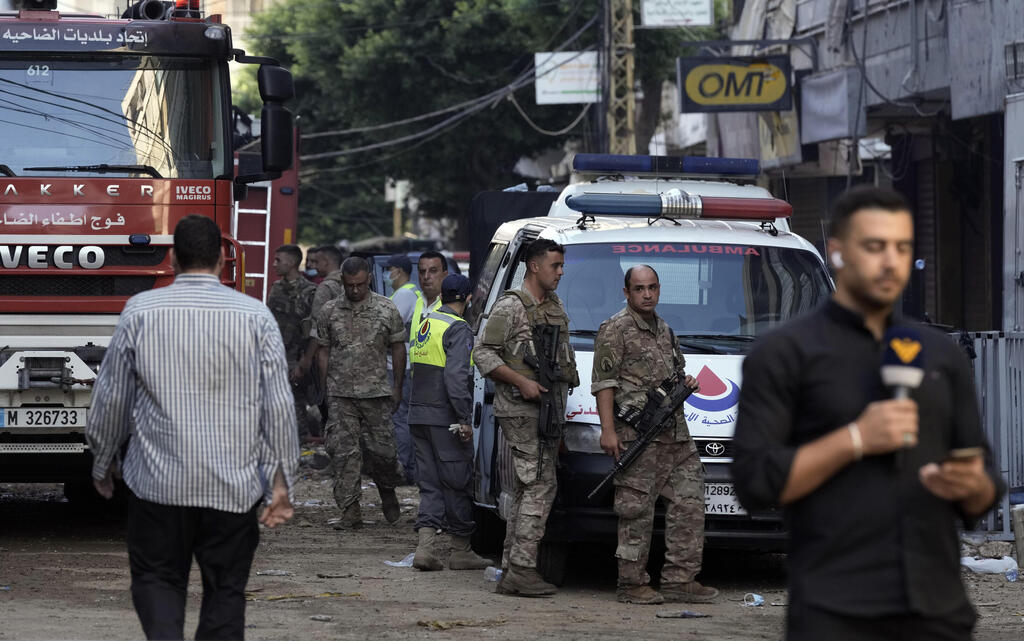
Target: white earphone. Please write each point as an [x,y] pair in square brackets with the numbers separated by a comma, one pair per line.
[837,260]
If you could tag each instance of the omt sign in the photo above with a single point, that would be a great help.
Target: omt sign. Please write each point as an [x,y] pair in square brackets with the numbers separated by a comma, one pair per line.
[735,84]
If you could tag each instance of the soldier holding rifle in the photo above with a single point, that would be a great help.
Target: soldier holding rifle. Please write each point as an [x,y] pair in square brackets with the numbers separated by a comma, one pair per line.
[525,350]
[636,352]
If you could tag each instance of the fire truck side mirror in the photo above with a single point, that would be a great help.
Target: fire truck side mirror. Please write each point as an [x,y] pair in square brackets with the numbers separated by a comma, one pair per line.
[275,84]
[276,122]
[276,144]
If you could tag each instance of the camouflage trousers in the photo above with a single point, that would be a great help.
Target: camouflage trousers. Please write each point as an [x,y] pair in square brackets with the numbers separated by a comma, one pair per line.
[534,490]
[674,471]
[357,428]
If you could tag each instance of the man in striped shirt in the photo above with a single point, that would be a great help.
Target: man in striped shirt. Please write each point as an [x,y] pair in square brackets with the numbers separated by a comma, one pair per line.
[196,374]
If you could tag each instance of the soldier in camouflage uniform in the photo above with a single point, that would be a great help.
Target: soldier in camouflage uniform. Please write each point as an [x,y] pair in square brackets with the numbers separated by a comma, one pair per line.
[355,332]
[635,351]
[328,264]
[499,354]
[291,299]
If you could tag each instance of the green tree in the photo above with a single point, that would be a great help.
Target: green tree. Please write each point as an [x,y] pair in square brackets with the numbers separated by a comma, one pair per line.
[360,63]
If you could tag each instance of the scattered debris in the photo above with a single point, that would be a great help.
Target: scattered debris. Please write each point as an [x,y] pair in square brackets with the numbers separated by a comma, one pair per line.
[326,618]
[327,575]
[681,614]
[274,573]
[448,625]
[404,563]
[995,549]
[752,599]
[249,596]
[987,605]
[5,588]
[989,566]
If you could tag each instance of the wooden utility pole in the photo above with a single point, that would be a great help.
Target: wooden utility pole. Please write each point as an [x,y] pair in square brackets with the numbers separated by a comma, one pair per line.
[620,101]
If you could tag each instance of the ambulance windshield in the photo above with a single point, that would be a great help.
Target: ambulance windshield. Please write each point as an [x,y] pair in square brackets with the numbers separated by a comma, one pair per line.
[718,290]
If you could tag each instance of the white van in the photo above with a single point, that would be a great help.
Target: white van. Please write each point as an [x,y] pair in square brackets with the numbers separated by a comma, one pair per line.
[730,270]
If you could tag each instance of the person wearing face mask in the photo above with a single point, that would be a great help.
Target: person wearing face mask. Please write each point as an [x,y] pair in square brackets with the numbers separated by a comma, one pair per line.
[313,266]
[406,296]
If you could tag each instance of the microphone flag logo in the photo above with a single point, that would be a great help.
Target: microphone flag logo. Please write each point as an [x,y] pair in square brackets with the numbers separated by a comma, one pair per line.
[906,349]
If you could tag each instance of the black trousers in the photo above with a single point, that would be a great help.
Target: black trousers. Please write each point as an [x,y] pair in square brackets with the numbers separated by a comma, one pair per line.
[806,623]
[162,539]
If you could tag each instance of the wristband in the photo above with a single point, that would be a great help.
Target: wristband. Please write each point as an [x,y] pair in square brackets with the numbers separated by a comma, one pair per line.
[858,442]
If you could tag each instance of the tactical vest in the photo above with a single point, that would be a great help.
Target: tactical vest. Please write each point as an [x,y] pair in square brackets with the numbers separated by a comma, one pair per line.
[515,358]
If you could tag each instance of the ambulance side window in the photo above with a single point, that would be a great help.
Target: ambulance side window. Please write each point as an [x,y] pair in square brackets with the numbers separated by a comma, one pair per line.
[485,282]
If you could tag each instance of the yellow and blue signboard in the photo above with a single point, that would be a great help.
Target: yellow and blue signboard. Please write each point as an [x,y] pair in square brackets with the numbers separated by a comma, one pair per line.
[735,84]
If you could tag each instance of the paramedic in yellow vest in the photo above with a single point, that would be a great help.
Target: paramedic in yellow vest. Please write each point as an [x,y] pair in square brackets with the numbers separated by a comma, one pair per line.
[432,269]
[440,422]
[407,297]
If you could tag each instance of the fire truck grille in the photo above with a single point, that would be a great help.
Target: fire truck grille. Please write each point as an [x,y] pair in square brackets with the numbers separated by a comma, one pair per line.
[75,285]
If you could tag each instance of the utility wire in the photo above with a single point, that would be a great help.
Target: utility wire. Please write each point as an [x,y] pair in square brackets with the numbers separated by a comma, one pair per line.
[488,97]
[547,132]
[488,100]
[864,74]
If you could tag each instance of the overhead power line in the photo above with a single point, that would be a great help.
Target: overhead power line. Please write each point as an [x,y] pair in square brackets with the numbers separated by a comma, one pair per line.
[488,97]
[463,110]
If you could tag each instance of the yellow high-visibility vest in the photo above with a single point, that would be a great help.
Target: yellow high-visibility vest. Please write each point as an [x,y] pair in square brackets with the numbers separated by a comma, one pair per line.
[427,347]
[419,313]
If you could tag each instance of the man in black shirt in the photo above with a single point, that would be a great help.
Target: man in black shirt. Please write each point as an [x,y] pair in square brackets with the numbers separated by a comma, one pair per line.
[871,499]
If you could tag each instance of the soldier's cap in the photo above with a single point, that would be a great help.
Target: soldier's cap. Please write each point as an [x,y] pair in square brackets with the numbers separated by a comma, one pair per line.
[400,261]
[455,288]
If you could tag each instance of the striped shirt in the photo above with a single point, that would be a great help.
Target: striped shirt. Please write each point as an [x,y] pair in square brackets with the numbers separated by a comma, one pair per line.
[196,374]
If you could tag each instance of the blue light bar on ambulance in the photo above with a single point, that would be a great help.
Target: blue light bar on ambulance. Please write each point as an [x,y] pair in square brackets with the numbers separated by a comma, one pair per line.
[676,203]
[623,164]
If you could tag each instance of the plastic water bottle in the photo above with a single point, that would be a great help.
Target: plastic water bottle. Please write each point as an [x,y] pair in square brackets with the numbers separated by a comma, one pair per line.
[492,573]
[1011,575]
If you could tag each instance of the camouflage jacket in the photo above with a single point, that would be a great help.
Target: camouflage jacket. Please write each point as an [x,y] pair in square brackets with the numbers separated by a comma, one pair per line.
[631,357]
[508,337]
[330,287]
[291,303]
[359,336]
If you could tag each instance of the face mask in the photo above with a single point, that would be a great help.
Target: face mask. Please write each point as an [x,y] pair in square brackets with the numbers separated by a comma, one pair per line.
[311,273]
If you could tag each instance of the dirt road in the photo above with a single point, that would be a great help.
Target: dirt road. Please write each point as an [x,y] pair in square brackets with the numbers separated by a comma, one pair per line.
[64,575]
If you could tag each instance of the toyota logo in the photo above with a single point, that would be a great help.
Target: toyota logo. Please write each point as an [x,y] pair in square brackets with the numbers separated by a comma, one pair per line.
[714,448]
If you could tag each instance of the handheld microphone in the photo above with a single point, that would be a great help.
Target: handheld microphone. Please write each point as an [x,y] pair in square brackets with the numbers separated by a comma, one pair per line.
[902,367]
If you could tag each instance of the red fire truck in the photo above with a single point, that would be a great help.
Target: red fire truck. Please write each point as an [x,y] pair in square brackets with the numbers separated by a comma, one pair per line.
[111,130]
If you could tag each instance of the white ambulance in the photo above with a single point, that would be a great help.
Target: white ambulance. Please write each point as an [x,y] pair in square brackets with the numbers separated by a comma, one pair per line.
[730,270]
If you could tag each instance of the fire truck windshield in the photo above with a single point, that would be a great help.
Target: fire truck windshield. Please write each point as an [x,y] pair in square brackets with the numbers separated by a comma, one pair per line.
[112,114]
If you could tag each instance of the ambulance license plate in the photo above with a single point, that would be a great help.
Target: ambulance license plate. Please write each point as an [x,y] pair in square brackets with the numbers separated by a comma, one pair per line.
[720,498]
[42,417]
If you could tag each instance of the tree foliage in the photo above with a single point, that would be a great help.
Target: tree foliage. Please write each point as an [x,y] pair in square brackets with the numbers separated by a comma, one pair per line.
[359,63]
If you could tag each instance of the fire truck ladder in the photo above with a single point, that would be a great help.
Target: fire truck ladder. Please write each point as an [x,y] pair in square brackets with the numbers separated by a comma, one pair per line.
[264,242]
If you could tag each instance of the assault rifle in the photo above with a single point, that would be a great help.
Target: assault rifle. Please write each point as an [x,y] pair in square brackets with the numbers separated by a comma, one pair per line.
[656,415]
[543,359]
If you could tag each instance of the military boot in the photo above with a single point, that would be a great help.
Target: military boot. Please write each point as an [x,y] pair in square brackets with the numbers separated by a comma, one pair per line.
[351,517]
[640,594]
[389,504]
[690,592]
[463,557]
[524,582]
[424,558]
